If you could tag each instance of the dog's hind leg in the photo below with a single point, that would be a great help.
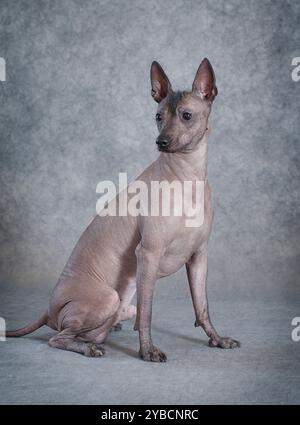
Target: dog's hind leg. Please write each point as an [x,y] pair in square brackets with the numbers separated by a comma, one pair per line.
[126,309]
[66,340]
[126,313]
[83,325]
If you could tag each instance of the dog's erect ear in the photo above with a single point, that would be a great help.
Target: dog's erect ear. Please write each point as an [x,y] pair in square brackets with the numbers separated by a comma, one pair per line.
[160,83]
[204,84]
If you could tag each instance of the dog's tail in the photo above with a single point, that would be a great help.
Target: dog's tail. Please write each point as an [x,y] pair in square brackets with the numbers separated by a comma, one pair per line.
[29,328]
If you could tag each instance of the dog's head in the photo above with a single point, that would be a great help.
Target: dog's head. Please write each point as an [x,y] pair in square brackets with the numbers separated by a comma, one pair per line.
[182,116]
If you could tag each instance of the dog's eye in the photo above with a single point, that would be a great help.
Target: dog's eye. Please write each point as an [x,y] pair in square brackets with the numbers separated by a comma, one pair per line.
[158,117]
[186,116]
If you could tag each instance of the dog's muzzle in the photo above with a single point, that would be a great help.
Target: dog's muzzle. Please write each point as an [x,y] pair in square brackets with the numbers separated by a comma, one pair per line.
[162,144]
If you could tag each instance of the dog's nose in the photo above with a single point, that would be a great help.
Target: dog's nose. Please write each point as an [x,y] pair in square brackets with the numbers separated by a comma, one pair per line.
[162,143]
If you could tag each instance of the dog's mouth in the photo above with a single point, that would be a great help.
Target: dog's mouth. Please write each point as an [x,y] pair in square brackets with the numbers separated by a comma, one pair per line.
[161,149]
[168,149]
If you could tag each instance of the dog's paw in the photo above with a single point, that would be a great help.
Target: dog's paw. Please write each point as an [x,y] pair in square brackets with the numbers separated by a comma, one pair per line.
[153,354]
[224,342]
[94,350]
[116,328]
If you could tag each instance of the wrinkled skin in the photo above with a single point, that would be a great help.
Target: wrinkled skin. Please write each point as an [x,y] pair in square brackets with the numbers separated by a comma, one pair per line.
[117,256]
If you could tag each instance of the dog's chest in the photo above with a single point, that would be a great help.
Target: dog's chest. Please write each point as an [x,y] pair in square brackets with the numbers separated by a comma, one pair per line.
[187,241]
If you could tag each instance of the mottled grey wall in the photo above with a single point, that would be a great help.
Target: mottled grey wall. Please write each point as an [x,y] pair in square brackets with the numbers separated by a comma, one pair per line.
[76,109]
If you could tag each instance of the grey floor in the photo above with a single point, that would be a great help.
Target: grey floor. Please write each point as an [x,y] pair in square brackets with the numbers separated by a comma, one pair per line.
[264,370]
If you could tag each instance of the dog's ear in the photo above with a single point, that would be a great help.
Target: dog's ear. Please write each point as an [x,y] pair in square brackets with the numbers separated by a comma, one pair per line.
[160,83]
[204,84]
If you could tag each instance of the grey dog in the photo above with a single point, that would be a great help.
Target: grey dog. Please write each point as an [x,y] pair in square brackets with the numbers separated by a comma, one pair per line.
[118,256]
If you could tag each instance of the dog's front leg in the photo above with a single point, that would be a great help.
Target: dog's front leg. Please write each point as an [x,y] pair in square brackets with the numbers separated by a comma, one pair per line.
[197,277]
[147,266]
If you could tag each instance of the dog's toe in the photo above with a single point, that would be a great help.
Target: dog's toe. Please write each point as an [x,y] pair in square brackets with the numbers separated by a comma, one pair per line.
[153,355]
[117,327]
[94,350]
[224,342]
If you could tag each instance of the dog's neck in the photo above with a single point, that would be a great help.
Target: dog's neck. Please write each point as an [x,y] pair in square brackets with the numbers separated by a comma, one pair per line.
[188,165]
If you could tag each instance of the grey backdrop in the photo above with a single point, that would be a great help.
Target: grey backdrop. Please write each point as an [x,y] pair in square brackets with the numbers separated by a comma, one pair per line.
[76,109]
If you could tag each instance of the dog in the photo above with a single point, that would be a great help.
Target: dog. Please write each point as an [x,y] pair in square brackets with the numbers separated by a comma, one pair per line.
[118,256]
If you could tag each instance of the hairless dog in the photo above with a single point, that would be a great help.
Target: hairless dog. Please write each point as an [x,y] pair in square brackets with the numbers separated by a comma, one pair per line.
[117,256]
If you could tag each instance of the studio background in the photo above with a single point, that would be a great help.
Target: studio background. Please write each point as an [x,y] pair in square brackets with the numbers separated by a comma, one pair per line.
[76,109]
